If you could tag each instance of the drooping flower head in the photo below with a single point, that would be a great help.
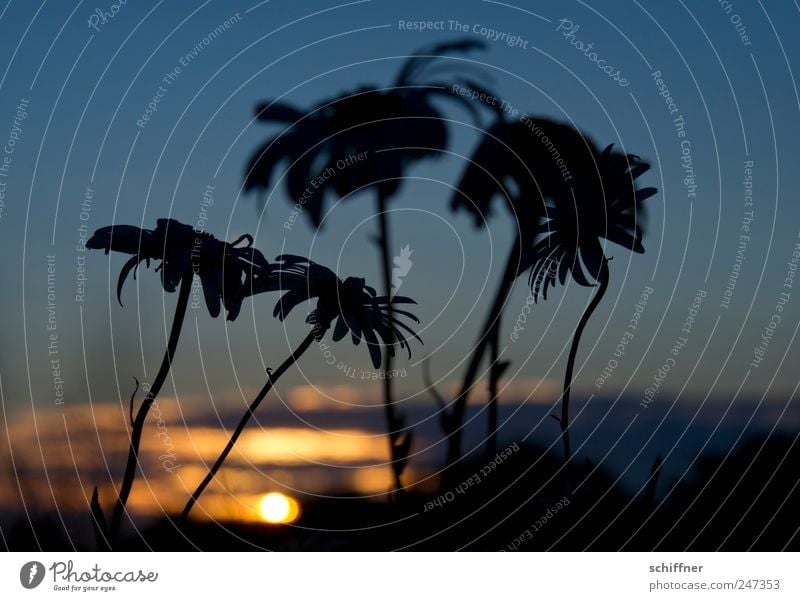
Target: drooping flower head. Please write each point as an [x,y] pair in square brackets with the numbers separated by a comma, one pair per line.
[518,164]
[365,138]
[564,194]
[355,307]
[603,202]
[228,272]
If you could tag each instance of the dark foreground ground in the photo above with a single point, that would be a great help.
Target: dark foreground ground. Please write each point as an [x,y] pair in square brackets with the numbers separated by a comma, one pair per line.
[527,502]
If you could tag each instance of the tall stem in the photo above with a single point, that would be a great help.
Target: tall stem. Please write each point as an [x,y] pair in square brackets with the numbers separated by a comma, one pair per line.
[573,351]
[392,422]
[495,370]
[471,375]
[141,415]
[273,377]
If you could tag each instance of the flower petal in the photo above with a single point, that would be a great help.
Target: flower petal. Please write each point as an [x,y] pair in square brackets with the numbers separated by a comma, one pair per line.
[121,238]
[341,329]
[211,290]
[123,274]
[624,239]
[374,347]
[277,111]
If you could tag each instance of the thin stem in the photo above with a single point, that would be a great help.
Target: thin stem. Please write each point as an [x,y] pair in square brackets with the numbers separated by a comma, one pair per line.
[501,296]
[495,369]
[138,424]
[388,395]
[573,351]
[273,377]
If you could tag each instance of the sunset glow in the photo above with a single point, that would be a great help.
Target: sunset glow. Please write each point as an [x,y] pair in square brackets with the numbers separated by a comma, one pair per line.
[277,508]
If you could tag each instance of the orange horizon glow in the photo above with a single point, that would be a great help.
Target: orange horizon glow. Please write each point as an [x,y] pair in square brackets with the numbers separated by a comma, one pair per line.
[67,452]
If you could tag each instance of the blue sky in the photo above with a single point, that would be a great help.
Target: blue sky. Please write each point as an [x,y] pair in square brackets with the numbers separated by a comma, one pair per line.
[84,89]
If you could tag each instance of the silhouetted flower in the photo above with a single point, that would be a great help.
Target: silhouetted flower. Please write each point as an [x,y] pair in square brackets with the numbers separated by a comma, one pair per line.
[520,162]
[592,196]
[364,138]
[602,202]
[355,307]
[564,196]
[515,164]
[227,271]
[564,193]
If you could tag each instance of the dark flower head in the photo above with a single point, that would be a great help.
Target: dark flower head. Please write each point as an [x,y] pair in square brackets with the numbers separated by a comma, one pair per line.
[365,138]
[354,306]
[564,194]
[228,272]
[519,162]
[602,201]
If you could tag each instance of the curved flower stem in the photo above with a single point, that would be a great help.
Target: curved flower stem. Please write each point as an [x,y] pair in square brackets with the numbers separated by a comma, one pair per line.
[138,424]
[273,377]
[587,314]
[492,321]
[388,396]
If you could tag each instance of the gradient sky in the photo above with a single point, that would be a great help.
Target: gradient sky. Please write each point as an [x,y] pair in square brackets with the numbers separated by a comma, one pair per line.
[86,88]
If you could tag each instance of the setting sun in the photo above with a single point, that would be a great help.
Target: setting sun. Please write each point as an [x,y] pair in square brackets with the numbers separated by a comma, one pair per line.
[277,508]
